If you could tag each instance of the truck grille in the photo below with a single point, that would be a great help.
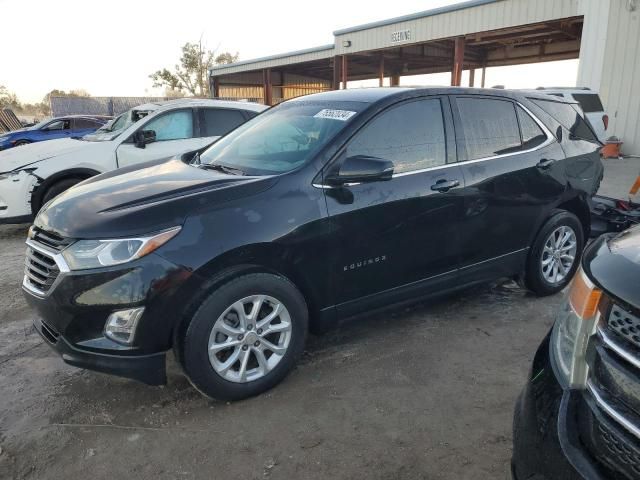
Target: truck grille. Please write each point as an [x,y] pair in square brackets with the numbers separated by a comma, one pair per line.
[620,451]
[40,270]
[625,324]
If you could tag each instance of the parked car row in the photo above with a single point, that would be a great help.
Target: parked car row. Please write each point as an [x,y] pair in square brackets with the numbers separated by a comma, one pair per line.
[331,205]
[32,175]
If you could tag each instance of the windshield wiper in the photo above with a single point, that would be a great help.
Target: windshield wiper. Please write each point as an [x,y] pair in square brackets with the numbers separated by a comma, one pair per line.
[221,168]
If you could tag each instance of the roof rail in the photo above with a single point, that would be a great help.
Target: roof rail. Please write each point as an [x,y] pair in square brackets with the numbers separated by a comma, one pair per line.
[563,88]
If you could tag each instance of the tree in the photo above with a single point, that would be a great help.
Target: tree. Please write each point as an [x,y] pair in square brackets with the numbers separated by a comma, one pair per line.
[8,99]
[192,74]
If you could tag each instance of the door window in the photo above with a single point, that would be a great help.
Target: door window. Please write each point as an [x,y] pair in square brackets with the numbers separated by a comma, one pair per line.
[411,135]
[219,121]
[174,125]
[84,123]
[489,127]
[532,134]
[57,125]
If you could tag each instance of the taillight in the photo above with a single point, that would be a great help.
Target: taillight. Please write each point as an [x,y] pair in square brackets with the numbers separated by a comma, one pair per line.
[605,121]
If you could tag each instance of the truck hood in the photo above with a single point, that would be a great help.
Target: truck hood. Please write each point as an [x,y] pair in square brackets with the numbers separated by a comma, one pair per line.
[36,152]
[142,199]
[613,262]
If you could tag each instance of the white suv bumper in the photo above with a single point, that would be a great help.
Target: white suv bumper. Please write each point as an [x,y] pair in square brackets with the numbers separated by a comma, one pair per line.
[15,197]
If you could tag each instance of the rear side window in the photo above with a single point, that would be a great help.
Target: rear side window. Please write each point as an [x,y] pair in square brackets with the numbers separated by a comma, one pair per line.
[82,123]
[220,121]
[532,134]
[568,117]
[411,135]
[489,127]
[590,102]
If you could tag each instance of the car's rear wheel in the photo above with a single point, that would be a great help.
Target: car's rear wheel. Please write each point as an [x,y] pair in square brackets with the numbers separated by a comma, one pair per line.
[245,337]
[555,254]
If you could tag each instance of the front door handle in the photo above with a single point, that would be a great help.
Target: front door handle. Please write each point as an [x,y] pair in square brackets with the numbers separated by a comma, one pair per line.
[443,185]
[545,163]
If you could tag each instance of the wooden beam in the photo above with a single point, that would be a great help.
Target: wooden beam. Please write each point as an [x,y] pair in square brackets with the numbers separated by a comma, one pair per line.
[484,73]
[458,59]
[472,76]
[215,87]
[267,86]
[381,71]
[395,80]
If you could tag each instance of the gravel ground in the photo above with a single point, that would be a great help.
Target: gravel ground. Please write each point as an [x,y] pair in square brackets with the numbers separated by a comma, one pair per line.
[425,392]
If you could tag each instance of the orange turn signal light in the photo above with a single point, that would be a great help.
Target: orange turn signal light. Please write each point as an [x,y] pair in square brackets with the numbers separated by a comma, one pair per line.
[584,296]
[157,241]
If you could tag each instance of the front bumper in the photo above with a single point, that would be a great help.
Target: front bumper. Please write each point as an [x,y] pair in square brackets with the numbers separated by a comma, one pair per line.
[546,429]
[15,197]
[73,313]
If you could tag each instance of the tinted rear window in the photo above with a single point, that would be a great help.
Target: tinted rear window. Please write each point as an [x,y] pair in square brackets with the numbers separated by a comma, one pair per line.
[489,127]
[590,102]
[568,117]
[220,121]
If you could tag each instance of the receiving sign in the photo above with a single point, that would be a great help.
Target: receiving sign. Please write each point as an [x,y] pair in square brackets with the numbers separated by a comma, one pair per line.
[342,115]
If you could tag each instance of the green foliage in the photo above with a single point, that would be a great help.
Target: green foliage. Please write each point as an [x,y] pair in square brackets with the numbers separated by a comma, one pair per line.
[191,75]
[8,99]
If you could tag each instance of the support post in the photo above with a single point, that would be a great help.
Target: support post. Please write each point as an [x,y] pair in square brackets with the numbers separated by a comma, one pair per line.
[472,76]
[395,80]
[337,61]
[381,71]
[267,86]
[215,87]
[343,71]
[484,72]
[458,60]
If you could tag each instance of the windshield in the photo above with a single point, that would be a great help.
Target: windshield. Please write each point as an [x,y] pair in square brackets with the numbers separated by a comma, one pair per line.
[115,127]
[281,139]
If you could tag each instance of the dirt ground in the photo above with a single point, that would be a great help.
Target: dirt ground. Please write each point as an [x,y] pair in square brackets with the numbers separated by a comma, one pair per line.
[425,392]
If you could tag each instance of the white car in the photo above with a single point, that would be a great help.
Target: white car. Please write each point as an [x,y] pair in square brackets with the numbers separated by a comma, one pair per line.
[589,102]
[32,175]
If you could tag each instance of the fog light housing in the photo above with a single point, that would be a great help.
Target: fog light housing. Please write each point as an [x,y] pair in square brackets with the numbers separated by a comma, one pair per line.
[121,325]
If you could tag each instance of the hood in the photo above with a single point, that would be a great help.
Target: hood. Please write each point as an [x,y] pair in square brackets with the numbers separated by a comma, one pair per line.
[143,199]
[613,262]
[36,152]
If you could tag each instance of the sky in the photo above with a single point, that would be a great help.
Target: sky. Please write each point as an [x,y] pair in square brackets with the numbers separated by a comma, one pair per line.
[111,48]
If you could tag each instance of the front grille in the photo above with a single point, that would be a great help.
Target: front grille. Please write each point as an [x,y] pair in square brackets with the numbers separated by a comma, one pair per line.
[625,324]
[40,270]
[50,239]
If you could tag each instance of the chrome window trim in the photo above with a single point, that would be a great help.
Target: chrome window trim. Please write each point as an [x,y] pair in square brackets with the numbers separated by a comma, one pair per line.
[60,263]
[621,351]
[550,139]
[612,412]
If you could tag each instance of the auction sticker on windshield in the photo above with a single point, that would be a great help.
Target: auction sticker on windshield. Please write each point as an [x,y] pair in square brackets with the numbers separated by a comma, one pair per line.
[342,115]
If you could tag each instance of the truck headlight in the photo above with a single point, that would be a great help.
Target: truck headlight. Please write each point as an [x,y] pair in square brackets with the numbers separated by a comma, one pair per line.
[104,253]
[575,324]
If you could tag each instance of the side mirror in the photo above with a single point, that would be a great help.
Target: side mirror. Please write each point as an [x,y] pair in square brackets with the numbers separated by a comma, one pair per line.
[142,137]
[360,169]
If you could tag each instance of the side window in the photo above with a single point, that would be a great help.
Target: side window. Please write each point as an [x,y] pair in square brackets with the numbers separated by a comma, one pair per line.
[174,125]
[568,117]
[489,127]
[58,125]
[83,123]
[411,135]
[532,134]
[219,121]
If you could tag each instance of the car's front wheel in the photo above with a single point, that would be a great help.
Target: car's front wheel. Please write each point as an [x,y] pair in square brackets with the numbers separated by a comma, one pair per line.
[245,337]
[555,254]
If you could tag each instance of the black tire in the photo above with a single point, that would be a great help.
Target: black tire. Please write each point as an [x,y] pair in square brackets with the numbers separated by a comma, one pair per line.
[20,143]
[534,278]
[59,187]
[193,345]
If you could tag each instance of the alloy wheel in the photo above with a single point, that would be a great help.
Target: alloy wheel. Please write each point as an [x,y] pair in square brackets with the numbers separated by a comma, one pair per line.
[250,338]
[559,254]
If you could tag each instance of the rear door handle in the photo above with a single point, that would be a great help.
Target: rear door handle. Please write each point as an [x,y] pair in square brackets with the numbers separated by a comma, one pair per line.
[443,185]
[545,163]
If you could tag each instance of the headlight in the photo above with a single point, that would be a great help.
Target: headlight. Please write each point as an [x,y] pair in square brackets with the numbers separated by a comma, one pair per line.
[575,324]
[103,253]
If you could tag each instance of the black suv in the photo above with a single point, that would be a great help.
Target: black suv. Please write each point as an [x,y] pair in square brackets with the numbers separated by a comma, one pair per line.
[579,415]
[320,208]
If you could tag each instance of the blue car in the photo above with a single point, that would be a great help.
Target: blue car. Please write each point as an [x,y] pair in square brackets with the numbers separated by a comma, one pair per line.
[61,127]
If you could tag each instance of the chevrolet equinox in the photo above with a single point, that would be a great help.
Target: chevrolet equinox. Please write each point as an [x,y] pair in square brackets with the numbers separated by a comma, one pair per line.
[322,207]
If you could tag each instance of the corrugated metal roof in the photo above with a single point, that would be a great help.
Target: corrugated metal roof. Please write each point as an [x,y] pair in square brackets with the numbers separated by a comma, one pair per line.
[415,16]
[277,57]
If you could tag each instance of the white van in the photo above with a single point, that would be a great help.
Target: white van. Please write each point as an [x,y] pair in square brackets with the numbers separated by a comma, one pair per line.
[33,174]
